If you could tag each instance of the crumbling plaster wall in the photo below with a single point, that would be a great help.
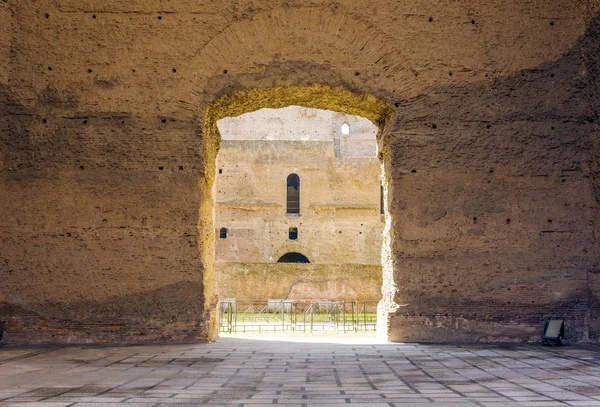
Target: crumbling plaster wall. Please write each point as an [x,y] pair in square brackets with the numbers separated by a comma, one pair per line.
[102,105]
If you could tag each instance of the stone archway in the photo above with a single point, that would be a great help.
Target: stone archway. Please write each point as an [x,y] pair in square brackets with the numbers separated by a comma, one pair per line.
[362,75]
[315,96]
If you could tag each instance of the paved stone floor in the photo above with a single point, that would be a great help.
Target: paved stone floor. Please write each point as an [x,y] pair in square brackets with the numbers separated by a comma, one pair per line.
[240,372]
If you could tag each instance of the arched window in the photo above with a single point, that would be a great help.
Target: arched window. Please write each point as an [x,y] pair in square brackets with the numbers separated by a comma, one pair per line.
[293,257]
[223,233]
[345,128]
[293,193]
[293,234]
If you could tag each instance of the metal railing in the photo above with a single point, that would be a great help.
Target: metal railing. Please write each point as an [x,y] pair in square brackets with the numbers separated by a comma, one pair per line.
[238,316]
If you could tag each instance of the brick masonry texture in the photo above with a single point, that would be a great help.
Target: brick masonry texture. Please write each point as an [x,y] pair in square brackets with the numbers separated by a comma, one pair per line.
[491,155]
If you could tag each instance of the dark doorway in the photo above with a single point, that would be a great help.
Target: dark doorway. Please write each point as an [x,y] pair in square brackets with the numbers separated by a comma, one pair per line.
[293,257]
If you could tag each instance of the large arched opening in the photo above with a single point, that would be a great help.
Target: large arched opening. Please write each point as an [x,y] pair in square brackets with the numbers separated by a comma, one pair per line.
[316,97]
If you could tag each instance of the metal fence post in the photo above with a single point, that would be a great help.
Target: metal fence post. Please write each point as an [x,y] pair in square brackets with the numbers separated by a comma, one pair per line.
[229,317]
[311,317]
[344,316]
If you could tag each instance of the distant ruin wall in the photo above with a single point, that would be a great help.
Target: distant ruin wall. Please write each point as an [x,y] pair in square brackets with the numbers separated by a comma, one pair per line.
[260,281]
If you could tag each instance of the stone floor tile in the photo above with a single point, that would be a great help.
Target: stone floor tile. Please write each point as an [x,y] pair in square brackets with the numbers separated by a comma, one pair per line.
[244,372]
[38,404]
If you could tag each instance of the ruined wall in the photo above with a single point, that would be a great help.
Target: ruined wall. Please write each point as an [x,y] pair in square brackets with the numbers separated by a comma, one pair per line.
[340,214]
[591,55]
[261,281]
[92,245]
[102,165]
[508,237]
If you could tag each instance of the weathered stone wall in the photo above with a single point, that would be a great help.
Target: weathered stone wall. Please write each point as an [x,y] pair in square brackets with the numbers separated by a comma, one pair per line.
[340,213]
[508,237]
[102,164]
[261,281]
[591,54]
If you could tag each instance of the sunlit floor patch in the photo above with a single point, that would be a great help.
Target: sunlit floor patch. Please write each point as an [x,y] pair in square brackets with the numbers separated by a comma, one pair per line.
[364,338]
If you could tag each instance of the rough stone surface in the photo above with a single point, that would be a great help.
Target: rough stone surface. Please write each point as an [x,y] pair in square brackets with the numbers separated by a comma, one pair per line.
[491,155]
[261,281]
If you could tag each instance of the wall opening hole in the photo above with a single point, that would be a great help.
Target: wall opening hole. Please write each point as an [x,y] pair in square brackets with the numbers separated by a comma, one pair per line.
[345,128]
[295,160]
[293,194]
[223,233]
[293,257]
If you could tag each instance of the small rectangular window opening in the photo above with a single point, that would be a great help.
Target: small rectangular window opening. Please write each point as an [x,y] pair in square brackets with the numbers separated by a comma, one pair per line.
[293,233]
[381,200]
[223,233]
[293,194]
